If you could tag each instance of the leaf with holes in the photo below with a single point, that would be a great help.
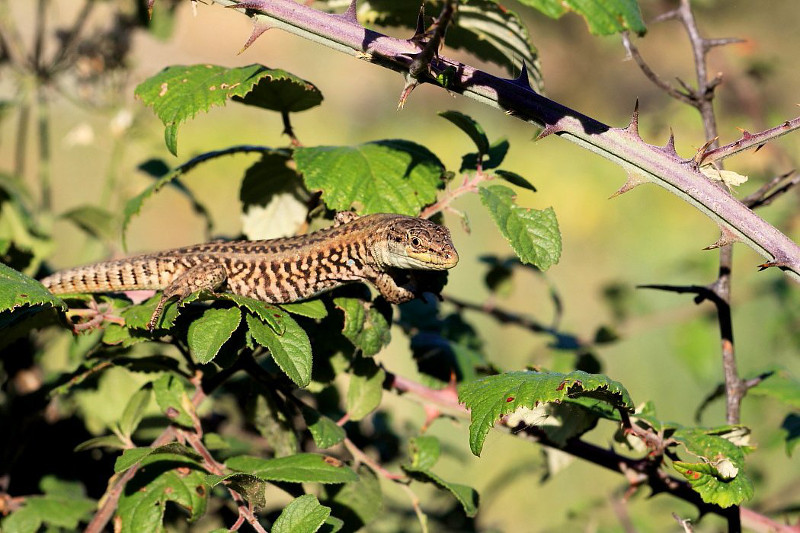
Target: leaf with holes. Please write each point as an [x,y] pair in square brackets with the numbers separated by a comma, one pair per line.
[392,176]
[495,396]
[17,290]
[718,476]
[179,92]
[142,504]
[534,235]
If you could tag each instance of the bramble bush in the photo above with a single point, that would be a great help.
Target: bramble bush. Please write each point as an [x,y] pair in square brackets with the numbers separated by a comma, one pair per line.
[280,417]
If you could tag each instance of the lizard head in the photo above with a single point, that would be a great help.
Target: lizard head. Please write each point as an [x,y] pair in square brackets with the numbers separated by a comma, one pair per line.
[416,244]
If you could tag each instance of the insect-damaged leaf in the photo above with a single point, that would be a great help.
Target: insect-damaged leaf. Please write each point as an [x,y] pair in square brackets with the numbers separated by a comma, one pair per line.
[179,92]
[495,396]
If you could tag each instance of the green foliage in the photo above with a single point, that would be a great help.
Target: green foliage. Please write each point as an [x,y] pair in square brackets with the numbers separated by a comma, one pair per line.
[63,505]
[299,468]
[533,234]
[303,515]
[178,92]
[491,397]
[392,176]
[245,389]
[603,17]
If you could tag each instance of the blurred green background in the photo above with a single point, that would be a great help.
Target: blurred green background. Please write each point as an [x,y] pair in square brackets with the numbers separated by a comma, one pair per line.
[669,348]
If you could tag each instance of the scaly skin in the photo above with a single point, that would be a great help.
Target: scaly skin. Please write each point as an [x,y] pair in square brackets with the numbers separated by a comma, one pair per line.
[374,249]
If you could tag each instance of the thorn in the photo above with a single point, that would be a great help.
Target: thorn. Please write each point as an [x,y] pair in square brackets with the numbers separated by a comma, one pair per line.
[410,85]
[774,263]
[633,125]
[258,29]
[419,32]
[632,181]
[523,80]
[670,146]
[759,147]
[547,130]
[701,153]
[726,237]
[350,13]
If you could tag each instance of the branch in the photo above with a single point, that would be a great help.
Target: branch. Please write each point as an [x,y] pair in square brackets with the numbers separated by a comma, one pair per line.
[515,97]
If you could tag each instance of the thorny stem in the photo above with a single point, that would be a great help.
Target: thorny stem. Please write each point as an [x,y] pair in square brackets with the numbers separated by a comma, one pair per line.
[515,97]
[468,185]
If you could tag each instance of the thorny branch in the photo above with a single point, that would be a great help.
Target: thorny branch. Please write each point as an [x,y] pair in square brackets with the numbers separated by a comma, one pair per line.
[515,97]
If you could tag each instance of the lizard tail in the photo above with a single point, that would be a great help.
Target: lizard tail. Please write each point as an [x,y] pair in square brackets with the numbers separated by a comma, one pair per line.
[109,276]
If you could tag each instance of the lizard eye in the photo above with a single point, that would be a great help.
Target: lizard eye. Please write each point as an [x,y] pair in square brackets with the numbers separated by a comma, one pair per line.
[415,241]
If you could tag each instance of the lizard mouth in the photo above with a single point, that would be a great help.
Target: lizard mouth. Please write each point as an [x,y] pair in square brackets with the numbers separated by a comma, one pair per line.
[434,261]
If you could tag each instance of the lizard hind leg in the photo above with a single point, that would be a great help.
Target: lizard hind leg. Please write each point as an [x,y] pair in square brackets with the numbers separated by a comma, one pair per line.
[208,276]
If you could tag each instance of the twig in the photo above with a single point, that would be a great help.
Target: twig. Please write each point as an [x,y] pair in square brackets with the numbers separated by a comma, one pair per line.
[362,457]
[469,185]
[749,140]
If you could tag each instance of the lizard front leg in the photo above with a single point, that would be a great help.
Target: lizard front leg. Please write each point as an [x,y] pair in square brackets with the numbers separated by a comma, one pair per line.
[208,276]
[391,290]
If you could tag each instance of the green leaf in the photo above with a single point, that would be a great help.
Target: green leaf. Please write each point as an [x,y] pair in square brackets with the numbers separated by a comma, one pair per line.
[291,350]
[95,221]
[17,290]
[791,427]
[134,410]
[424,452]
[603,17]
[392,176]
[359,502]
[469,126]
[179,92]
[364,325]
[515,179]
[111,442]
[138,316]
[310,308]
[141,506]
[781,386]
[250,487]
[324,431]
[303,515]
[533,234]
[116,335]
[491,159]
[719,475]
[173,400]
[62,506]
[273,316]
[208,333]
[495,396]
[466,496]
[282,91]
[174,451]
[366,388]
[299,468]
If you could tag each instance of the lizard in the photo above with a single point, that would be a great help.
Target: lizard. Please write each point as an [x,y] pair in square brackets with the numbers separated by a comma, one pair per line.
[377,249]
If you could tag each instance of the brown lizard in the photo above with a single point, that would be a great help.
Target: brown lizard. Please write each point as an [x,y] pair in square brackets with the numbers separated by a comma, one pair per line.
[375,248]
